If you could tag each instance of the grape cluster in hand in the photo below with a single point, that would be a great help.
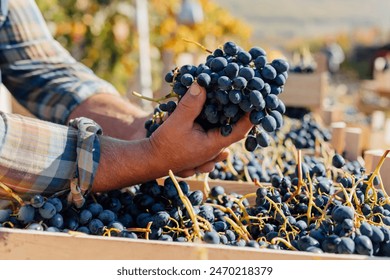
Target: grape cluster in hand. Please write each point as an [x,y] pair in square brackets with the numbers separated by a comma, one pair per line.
[237,82]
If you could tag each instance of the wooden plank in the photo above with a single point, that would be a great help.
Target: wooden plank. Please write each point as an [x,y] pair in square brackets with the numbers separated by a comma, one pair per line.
[353,143]
[371,159]
[338,136]
[305,90]
[33,245]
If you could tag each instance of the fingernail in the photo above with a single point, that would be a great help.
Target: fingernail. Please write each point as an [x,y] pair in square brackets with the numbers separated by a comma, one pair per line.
[195,89]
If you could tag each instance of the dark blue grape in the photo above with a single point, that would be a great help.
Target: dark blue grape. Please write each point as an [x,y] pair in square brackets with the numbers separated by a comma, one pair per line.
[281,107]
[268,72]
[95,209]
[180,239]
[196,197]
[222,97]
[280,80]
[57,221]
[280,65]
[230,48]
[37,201]
[226,130]
[263,140]
[247,73]
[224,83]
[191,69]
[301,224]
[211,113]
[218,64]
[47,210]
[256,98]
[271,101]
[377,235]
[5,214]
[126,220]
[171,106]
[179,88]
[230,110]
[244,57]
[84,229]
[203,80]
[307,241]
[341,213]
[185,188]
[187,79]
[95,226]
[269,123]
[346,246]
[107,216]
[363,245]
[160,219]
[260,62]
[278,118]
[165,237]
[255,84]
[35,226]
[256,117]
[53,229]
[169,77]
[128,234]
[223,240]
[330,243]
[239,83]
[231,70]
[218,52]
[235,96]
[246,105]
[250,143]
[255,52]
[85,216]
[338,161]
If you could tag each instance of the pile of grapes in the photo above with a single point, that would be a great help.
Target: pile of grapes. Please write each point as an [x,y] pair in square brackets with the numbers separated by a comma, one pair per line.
[311,212]
[237,82]
[303,133]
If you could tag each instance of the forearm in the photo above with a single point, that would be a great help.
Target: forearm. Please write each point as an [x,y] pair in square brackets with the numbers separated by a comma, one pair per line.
[118,117]
[125,163]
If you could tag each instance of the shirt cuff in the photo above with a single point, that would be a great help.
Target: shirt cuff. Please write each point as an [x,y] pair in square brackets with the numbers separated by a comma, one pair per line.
[88,155]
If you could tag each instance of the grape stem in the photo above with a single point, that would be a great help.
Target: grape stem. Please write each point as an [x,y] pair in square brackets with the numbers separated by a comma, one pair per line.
[9,191]
[187,204]
[157,100]
[198,44]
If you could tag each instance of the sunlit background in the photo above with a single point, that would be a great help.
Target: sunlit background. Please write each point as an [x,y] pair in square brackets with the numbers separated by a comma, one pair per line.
[105,34]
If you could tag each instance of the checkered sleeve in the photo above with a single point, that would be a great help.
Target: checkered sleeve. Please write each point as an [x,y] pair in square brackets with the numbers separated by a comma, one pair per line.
[42,157]
[38,71]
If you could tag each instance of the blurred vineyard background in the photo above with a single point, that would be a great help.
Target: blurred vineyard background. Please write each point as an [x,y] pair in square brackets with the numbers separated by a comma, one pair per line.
[103,34]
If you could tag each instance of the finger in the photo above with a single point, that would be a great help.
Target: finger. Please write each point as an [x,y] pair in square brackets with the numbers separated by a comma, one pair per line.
[222,156]
[190,105]
[186,173]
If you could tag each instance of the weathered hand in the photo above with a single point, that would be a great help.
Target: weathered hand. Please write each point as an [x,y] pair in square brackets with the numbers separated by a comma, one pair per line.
[183,146]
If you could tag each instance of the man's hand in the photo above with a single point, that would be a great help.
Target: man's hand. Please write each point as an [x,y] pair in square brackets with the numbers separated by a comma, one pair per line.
[184,146]
[179,144]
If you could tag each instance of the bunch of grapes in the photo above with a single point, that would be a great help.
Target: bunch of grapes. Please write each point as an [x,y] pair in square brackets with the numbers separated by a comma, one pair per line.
[237,82]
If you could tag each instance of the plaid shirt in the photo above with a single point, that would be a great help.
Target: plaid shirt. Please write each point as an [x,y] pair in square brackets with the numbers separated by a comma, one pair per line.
[37,156]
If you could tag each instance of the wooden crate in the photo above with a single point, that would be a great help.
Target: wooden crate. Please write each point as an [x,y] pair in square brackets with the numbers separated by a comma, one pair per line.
[305,90]
[18,244]
[33,245]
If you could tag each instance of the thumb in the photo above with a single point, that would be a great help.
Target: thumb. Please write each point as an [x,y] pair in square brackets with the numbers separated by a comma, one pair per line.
[191,103]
